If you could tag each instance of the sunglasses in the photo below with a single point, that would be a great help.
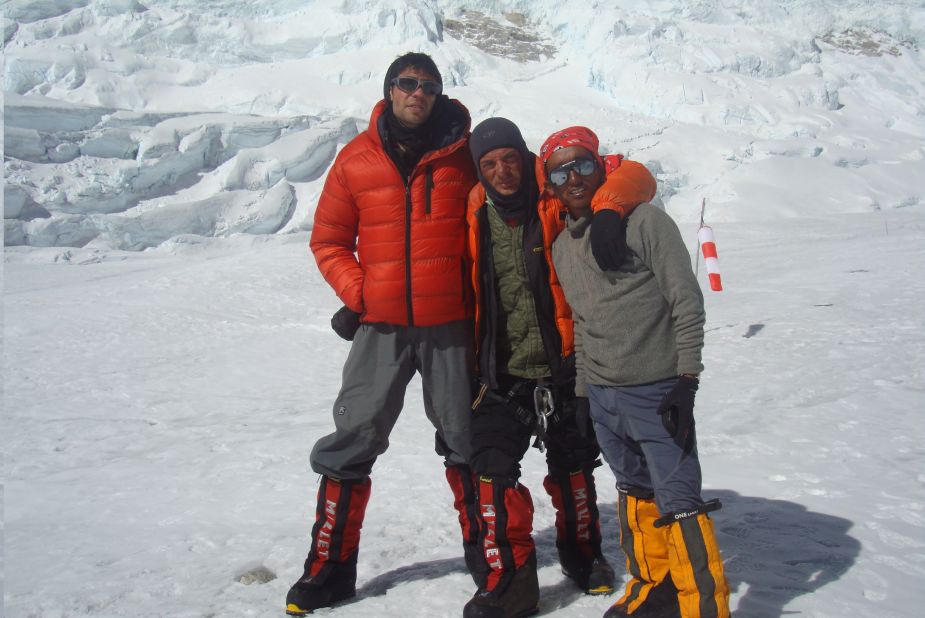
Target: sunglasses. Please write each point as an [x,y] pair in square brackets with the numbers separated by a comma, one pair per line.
[584,167]
[411,84]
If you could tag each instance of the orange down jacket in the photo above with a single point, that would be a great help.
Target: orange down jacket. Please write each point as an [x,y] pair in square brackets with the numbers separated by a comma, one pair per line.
[393,249]
[627,185]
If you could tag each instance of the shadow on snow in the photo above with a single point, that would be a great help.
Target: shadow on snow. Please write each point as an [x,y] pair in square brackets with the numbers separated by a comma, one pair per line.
[779,550]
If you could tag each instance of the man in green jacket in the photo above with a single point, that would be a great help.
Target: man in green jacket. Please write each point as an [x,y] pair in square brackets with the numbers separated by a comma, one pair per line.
[526,386]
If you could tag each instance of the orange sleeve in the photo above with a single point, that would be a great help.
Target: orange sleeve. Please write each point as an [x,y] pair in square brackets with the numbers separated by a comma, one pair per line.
[625,188]
[334,238]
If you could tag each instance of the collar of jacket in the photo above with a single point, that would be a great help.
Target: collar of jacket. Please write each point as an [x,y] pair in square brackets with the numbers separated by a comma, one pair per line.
[449,134]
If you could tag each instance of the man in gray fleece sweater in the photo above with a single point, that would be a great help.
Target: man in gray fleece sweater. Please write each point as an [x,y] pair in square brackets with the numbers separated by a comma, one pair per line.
[639,321]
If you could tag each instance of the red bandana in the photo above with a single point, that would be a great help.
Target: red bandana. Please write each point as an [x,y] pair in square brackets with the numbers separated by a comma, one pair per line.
[572,136]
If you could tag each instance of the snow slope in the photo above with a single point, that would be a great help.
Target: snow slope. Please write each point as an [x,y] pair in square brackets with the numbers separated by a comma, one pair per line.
[160,408]
[167,358]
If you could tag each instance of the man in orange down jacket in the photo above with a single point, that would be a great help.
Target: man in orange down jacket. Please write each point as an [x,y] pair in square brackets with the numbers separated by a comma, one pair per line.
[638,340]
[526,367]
[389,237]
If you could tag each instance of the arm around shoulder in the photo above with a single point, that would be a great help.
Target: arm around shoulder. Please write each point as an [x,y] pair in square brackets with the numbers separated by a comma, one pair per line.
[625,187]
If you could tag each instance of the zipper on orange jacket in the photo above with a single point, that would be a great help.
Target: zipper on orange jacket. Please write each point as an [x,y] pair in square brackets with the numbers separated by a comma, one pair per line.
[408,247]
[428,187]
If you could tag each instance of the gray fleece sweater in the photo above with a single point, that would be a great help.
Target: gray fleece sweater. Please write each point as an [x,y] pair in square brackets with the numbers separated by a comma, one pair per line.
[642,323]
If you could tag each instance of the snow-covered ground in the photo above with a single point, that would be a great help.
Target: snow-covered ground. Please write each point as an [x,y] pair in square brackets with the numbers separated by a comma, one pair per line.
[168,362]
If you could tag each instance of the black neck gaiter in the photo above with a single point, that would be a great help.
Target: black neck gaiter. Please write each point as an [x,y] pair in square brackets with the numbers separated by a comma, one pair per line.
[407,145]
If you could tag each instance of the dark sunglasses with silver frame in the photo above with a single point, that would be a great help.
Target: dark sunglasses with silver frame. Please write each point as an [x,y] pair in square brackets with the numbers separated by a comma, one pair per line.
[411,84]
[583,165]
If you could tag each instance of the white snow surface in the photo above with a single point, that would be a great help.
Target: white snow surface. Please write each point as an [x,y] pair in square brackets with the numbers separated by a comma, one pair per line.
[167,356]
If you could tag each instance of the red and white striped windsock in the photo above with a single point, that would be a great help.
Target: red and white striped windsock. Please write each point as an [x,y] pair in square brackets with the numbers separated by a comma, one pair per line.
[708,246]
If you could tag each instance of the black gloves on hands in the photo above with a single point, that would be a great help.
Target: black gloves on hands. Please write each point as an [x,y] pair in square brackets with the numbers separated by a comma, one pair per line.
[345,323]
[608,239]
[677,411]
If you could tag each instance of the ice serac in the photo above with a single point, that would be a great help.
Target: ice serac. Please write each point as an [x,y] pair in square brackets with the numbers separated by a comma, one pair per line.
[119,106]
[130,181]
[223,214]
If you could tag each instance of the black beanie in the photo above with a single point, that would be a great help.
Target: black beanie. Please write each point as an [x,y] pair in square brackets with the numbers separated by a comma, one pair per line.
[496,133]
[415,60]
[502,133]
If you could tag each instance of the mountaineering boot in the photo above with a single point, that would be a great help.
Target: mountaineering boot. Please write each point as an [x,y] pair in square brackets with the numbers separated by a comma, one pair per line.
[519,598]
[600,578]
[661,602]
[697,567]
[331,567]
[462,482]
[511,588]
[578,529]
[310,593]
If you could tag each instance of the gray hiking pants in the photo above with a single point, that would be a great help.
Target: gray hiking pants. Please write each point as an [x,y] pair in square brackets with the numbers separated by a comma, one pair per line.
[381,362]
[643,456]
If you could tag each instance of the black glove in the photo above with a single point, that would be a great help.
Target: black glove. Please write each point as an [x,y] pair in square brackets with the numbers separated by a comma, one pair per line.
[345,323]
[583,417]
[677,411]
[608,239]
